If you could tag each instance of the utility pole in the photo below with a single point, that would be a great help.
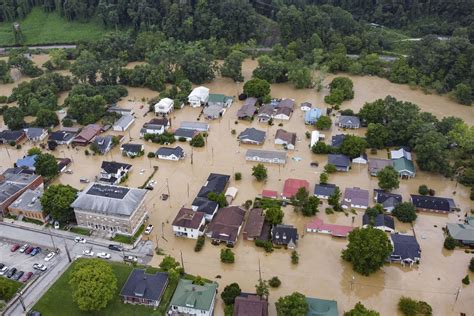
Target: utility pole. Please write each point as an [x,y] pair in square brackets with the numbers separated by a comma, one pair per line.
[259,271]
[67,251]
[20,297]
[188,190]
[52,239]
[182,261]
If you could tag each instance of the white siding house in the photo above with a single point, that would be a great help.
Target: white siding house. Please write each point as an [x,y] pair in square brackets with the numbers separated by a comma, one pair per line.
[123,123]
[165,106]
[198,97]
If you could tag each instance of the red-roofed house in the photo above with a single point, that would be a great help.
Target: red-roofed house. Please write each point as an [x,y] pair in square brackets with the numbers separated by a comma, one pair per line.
[269,194]
[87,134]
[292,186]
[317,226]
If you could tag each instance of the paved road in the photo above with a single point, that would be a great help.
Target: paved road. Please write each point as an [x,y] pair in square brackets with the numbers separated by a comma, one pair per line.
[44,47]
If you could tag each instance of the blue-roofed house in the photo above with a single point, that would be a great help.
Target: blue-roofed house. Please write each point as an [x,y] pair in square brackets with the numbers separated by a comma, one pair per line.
[324,190]
[312,116]
[336,140]
[381,221]
[27,162]
[406,249]
[341,162]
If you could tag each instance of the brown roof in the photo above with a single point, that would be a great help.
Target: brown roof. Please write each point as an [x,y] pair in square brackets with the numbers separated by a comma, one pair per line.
[286,103]
[188,218]
[89,132]
[226,223]
[284,110]
[253,226]
[250,305]
[288,137]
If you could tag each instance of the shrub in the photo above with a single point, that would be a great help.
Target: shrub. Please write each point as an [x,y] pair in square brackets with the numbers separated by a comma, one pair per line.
[230,292]
[431,192]
[182,139]
[199,243]
[308,135]
[238,176]
[295,258]
[227,256]
[18,146]
[423,189]
[233,132]
[471,265]
[274,282]
[151,154]
[330,168]
[86,152]
[450,243]
[265,244]
[466,280]
[411,307]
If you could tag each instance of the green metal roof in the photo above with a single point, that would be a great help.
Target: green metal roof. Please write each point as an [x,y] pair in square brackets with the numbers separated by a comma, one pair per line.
[403,164]
[218,98]
[320,307]
[194,296]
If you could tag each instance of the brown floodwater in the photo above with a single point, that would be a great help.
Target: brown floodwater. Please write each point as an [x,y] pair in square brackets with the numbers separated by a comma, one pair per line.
[320,272]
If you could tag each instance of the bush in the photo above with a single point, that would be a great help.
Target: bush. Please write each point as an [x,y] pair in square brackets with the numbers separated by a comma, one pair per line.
[431,192]
[230,292]
[151,154]
[330,168]
[410,307]
[466,280]
[265,244]
[182,139]
[67,122]
[274,282]
[238,176]
[423,189]
[86,152]
[295,258]
[471,265]
[227,256]
[199,243]
[450,243]
[233,132]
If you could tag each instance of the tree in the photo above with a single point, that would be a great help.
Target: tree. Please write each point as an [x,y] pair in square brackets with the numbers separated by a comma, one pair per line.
[227,256]
[198,141]
[197,65]
[169,263]
[8,289]
[466,280]
[257,88]
[353,146]
[373,112]
[292,305]
[334,200]
[308,205]
[259,172]
[232,66]
[56,202]
[93,284]
[300,77]
[46,166]
[471,265]
[330,168]
[323,178]
[411,307]
[33,151]
[295,257]
[58,58]
[274,282]
[360,310]
[323,123]
[46,118]
[85,67]
[85,109]
[377,135]
[431,151]
[219,198]
[13,118]
[367,250]
[450,243]
[372,212]
[274,215]
[405,212]
[423,189]
[321,148]
[261,289]
[388,178]
[341,89]
[463,94]
[230,292]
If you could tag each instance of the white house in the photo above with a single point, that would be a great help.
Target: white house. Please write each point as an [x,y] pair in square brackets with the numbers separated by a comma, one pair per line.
[283,113]
[314,138]
[400,153]
[165,106]
[167,153]
[362,159]
[198,97]
[36,134]
[152,129]
[188,223]
[123,123]
[112,172]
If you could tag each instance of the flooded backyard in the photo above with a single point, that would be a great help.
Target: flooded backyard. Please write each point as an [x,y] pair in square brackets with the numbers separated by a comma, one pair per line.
[320,272]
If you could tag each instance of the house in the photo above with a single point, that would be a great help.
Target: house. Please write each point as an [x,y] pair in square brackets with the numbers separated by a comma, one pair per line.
[285,103]
[346,121]
[144,288]
[250,304]
[404,167]
[377,164]
[230,194]
[61,137]
[195,126]
[463,233]
[269,194]
[406,249]
[36,134]
[386,199]
[160,121]
[265,113]
[248,109]
[254,226]
[306,106]
[287,139]
[123,123]
[111,209]
[168,153]
[324,190]
[28,205]
[132,150]
[426,203]
[283,113]
[225,226]
[220,100]
[63,163]
[113,172]
[74,130]
[315,137]
[198,97]
[216,183]
[292,186]
[212,112]
[103,143]
[120,111]
[337,140]
[362,159]
[266,156]
[193,299]
[164,106]
[206,206]
[285,235]
[188,223]
[312,116]
[318,226]
[87,135]
[27,162]
[381,221]
[320,307]
[13,182]
[400,153]
[355,198]
[152,127]
[341,162]
[252,136]
[9,137]
[187,134]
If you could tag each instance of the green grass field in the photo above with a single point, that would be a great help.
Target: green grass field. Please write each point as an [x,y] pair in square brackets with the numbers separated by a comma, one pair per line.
[59,299]
[40,27]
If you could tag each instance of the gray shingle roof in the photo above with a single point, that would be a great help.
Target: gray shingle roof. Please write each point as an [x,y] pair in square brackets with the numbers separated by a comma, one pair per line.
[339,160]
[168,151]
[252,134]
[405,246]
[142,285]
[324,189]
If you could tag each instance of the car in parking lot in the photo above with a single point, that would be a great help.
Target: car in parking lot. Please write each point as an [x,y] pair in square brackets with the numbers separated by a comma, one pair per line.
[131,259]
[148,229]
[10,273]
[14,247]
[3,270]
[39,266]
[50,256]
[88,252]
[17,275]
[80,240]
[23,248]
[103,255]
[35,251]
[115,247]
[29,250]
[26,277]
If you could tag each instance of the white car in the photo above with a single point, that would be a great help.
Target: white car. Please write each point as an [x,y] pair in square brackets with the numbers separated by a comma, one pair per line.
[50,256]
[103,255]
[88,252]
[3,270]
[80,239]
[130,259]
[148,229]
[39,266]
[23,248]
[56,225]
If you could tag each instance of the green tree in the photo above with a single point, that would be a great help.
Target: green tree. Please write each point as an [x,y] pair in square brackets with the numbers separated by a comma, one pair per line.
[14,118]
[463,94]
[295,257]
[56,202]
[274,282]
[423,189]
[323,178]
[388,178]
[377,135]
[292,305]
[169,263]
[405,212]
[85,109]
[360,310]
[466,280]
[372,212]
[330,168]
[353,146]
[219,198]
[58,58]
[197,65]
[261,289]
[308,205]
[46,118]
[411,307]
[93,284]
[431,152]
[257,88]
[227,256]
[334,200]
[321,148]
[33,151]
[85,67]
[232,66]
[198,141]
[323,123]
[450,243]
[300,77]
[367,250]
[46,165]
[274,215]
[259,172]
[373,112]
[341,89]
[230,292]
[8,289]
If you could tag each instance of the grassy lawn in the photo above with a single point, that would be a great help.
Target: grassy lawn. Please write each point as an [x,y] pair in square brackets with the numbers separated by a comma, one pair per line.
[129,239]
[8,288]
[40,27]
[33,221]
[80,231]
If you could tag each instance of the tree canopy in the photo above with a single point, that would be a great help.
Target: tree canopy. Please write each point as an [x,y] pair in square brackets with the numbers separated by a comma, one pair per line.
[46,165]
[259,172]
[56,201]
[230,292]
[405,212]
[257,88]
[388,178]
[292,305]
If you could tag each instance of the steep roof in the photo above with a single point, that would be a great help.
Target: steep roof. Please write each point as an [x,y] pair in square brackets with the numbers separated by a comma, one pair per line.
[133,148]
[188,218]
[286,103]
[226,223]
[377,164]
[124,120]
[324,189]
[112,167]
[284,110]
[357,196]
[215,183]
[288,137]
[349,120]
[400,153]
[61,136]
[34,132]
[253,226]
[313,114]
[336,140]
[339,160]
[283,234]
[143,285]
[405,246]
[462,231]
[387,199]
[403,164]
[379,221]
[253,134]
[248,108]
[292,186]
[194,296]
[88,132]
[103,143]
[249,304]
[181,132]
[168,151]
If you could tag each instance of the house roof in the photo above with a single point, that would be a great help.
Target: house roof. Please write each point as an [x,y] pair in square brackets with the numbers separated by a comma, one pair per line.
[215,183]
[269,194]
[132,148]
[324,189]
[89,132]
[205,205]
[462,231]
[232,192]
[61,136]
[349,120]
[165,102]
[306,104]
[103,143]
[252,134]
[118,109]
[190,295]
[336,140]
[266,154]
[377,164]
[27,162]
[405,246]
[433,202]
[199,92]
[29,201]
[159,121]
[253,226]
[284,110]
[336,230]
[250,304]
[248,108]
[288,137]
[286,103]
[168,151]
[292,186]
[387,199]
[226,223]
[313,114]
[320,307]
[400,153]
[188,218]
[357,196]
[362,157]
[283,234]
[380,220]
[403,164]
[266,109]
[188,133]
[143,285]
[112,167]
[124,120]
[34,132]
[339,160]
[213,110]
[217,97]
[8,135]
[199,126]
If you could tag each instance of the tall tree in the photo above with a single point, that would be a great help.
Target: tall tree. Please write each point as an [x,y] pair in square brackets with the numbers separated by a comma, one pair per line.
[388,178]
[56,201]
[292,305]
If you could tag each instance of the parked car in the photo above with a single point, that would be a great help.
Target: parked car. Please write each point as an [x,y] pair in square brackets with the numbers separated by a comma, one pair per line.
[80,240]
[148,229]
[103,255]
[29,250]
[3,270]
[23,248]
[84,180]
[56,225]
[115,247]
[35,251]
[17,275]
[10,272]
[40,266]
[26,277]
[14,247]
[50,256]
[1,266]
[130,259]
[88,252]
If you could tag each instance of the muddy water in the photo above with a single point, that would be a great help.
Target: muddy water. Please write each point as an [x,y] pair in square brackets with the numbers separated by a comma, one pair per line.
[321,272]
